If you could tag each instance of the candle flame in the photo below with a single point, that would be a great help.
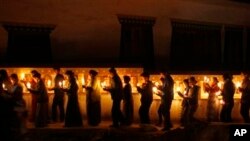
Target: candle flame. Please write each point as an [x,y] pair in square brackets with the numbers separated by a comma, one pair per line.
[3,85]
[206,79]
[103,84]
[60,84]
[83,81]
[178,89]
[154,89]
[238,84]
[28,85]
[222,102]
[49,83]
[157,84]
[22,76]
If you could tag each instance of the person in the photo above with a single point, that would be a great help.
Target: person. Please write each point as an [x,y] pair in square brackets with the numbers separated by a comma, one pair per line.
[115,90]
[73,116]
[185,103]
[212,90]
[7,116]
[245,98]
[58,100]
[160,108]
[167,98]
[193,97]
[19,106]
[40,91]
[146,98]
[93,99]
[32,116]
[128,103]
[227,93]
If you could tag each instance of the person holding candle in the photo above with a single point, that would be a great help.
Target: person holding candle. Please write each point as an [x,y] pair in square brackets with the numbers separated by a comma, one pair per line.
[160,108]
[128,103]
[212,101]
[227,93]
[93,99]
[185,103]
[115,90]
[73,116]
[40,91]
[146,91]
[245,98]
[167,97]
[58,100]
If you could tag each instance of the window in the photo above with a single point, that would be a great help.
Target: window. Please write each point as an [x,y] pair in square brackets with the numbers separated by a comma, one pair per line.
[136,44]
[195,46]
[29,43]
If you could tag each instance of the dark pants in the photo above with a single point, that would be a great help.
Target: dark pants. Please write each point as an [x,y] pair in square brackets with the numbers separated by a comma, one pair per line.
[225,114]
[41,115]
[166,113]
[117,116]
[58,102]
[160,113]
[144,113]
[244,111]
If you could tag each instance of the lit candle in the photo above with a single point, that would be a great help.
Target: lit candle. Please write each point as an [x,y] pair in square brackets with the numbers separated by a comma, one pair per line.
[220,85]
[218,93]
[138,84]
[28,85]
[154,89]
[238,84]
[206,79]
[22,76]
[222,102]
[49,83]
[157,84]
[103,84]
[60,84]
[4,87]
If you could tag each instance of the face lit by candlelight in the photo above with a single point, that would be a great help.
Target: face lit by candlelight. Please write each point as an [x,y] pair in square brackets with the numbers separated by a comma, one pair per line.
[4,87]
[28,85]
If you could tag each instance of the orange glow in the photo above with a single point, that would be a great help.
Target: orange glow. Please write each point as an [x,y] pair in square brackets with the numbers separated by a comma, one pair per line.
[238,84]
[155,90]
[22,76]
[4,87]
[104,84]
[49,83]
[28,85]
[83,81]
[206,79]
[222,102]
[157,84]
[60,84]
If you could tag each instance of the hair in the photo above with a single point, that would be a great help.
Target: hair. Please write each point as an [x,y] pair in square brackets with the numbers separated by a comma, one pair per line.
[227,76]
[3,74]
[112,70]
[14,76]
[93,72]
[126,78]
[57,68]
[37,75]
[33,72]
[145,74]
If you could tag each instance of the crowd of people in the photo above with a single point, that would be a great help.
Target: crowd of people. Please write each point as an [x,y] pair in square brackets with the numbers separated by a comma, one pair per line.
[14,110]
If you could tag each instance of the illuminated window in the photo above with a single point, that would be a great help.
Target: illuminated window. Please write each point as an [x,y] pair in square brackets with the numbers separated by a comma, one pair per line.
[136,44]
[29,43]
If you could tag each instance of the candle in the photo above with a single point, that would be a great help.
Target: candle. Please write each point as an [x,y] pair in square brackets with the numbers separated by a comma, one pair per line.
[28,85]
[4,87]
[154,89]
[49,83]
[103,84]
[22,76]
[206,79]
[157,84]
[222,102]
[60,84]
[238,84]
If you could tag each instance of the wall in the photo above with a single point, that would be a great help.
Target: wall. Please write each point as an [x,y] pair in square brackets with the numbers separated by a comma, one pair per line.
[89,30]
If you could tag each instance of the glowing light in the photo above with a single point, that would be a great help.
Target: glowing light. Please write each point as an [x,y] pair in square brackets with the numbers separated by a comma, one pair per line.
[4,87]
[22,76]
[154,89]
[157,84]
[206,79]
[103,84]
[83,81]
[138,84]
[218,93]
[220,85]
[63,83]
[222,102]
[49,83]
[28,85]
[178,89]
[60,84]
[238,84]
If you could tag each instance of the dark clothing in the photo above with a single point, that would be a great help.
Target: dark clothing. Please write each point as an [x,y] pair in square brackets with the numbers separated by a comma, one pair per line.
[58,100]
[185,108]
[33,103]
[128,104]
[146,101]
[116,95]
[40,91]
[227,96]
[245,100]
[167,97]
[73,116]
[93,102]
